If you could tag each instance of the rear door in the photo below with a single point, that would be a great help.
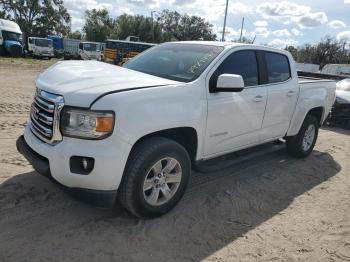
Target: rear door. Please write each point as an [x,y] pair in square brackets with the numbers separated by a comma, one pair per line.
[282,91]
[235,118]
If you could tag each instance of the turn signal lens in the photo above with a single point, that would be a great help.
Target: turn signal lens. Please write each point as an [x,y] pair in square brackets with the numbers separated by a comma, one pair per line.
[85,123]
[104,124]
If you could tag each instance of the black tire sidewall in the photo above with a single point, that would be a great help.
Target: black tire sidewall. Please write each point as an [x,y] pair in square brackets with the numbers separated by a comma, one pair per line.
[138,170]
[296,142]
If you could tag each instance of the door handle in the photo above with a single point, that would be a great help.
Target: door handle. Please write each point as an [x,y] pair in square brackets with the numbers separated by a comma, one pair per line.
[258,98]
[290,93]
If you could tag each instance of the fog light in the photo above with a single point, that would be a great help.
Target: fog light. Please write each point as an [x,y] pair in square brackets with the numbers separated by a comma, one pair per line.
[81,165]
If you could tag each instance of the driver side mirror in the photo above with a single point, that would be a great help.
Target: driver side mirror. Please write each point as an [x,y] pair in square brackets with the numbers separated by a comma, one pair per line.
[229,83]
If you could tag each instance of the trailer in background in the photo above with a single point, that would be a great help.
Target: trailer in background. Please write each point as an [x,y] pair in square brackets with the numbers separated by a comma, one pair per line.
[70,48]
[82,50]
[336,69]
[57,43]
[312,68]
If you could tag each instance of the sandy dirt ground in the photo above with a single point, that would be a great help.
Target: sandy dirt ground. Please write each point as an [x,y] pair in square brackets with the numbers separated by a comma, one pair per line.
[270,208]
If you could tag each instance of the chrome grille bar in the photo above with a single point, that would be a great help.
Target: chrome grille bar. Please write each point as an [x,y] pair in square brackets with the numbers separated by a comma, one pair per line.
[43,105]
[45,116]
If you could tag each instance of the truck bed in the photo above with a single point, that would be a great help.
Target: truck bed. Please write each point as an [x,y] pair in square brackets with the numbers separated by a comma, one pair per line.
[316,76]
[305,80]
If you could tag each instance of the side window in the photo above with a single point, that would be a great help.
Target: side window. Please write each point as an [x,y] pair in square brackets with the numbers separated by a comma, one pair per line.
[81,46]
[242,63]
[278,69]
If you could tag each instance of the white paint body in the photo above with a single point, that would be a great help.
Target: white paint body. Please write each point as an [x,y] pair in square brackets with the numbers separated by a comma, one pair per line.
[224,122]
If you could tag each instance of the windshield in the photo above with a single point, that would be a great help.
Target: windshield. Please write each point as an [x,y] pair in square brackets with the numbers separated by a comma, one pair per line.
[11,36]
[43,42]
[90,47]
[180,62]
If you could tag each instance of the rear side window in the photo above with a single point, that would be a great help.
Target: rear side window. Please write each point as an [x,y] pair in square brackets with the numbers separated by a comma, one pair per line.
[278,69]
[242,63]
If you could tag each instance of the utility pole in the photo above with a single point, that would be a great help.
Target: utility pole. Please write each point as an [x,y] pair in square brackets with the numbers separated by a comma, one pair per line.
[240,38]
[223,31]
[152,26]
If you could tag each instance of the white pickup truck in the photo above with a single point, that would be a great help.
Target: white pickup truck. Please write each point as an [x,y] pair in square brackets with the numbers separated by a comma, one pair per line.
[134,132]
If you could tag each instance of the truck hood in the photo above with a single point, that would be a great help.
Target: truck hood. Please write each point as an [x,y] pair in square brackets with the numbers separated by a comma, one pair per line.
[82,82]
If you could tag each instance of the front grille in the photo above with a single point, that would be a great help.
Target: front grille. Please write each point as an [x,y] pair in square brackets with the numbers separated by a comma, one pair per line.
[45,116]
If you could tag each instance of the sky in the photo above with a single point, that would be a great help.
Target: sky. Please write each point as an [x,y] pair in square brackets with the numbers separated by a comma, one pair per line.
[277,23]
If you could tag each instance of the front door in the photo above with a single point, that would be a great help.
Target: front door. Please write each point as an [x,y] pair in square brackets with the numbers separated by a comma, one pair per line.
[235,118]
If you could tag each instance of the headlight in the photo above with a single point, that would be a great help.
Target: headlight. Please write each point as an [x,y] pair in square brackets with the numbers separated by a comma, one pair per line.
[88,124]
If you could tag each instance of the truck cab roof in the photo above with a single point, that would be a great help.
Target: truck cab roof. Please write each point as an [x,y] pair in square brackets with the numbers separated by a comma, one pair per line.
[231,45]
[10,26]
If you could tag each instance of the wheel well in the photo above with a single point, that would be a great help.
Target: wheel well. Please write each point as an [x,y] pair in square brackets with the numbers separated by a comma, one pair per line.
[317,112]
[185,136]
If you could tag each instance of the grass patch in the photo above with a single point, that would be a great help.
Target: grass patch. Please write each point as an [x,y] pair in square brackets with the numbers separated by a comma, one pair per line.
[29,61]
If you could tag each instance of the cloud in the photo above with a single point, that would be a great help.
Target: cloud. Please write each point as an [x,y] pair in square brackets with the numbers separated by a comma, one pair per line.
[311,20]
[82,5]
[281,33]
[284,8]
[346,1]
[179,2]
[296,32]
[125,10]
[337,24]
[238,8]
[344,36]
[282,43]
[230,33]
[150,3]
[261,23]
[289,13]
[77,9]
[213,11]
[262,31]
[77,23]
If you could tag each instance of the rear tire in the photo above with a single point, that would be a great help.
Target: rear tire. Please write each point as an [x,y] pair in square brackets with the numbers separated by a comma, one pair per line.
[155,177]
[302,144]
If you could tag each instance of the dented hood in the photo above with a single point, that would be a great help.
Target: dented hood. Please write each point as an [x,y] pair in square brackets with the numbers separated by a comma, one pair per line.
[81,82]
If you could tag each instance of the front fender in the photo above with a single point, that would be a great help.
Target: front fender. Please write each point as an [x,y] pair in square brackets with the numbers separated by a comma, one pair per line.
[145,111]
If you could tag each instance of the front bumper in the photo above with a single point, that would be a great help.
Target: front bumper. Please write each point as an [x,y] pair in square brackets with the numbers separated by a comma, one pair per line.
[110,157]
[101,198]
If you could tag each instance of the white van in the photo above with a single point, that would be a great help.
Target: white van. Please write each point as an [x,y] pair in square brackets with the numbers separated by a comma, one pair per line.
[40,47]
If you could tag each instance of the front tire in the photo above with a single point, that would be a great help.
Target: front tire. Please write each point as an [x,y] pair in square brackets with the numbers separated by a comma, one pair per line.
[155,177]
[303,143]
